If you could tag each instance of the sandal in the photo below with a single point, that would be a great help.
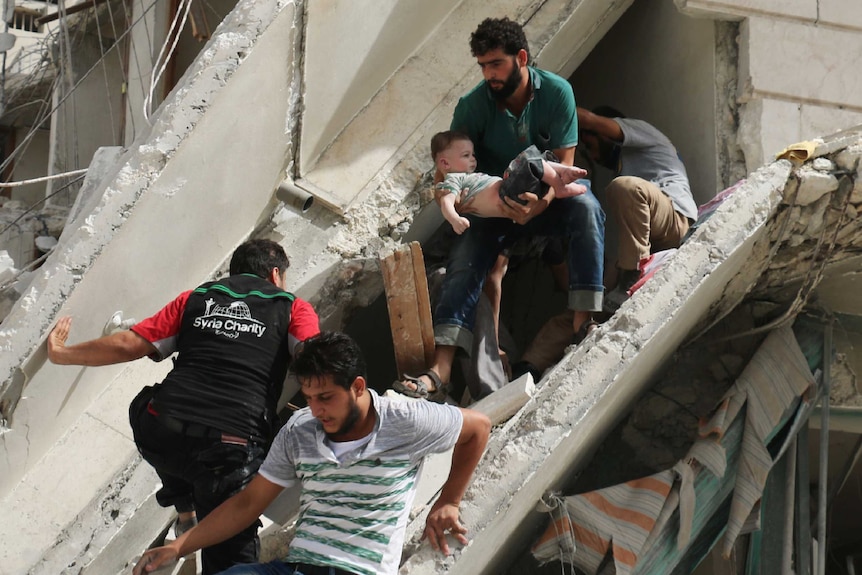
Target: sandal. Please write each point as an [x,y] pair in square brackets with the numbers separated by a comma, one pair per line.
[586,329]
[421,392]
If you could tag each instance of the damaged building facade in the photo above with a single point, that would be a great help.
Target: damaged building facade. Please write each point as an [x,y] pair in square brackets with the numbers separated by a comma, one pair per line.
[184,154]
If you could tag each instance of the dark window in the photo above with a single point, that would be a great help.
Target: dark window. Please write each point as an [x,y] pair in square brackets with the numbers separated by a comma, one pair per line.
[25,20]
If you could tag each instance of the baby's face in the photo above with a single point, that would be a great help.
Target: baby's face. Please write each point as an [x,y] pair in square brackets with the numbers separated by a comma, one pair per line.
[459,157]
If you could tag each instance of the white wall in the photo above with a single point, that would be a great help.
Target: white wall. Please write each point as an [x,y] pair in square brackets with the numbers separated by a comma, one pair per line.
[658,65]
[32,164]
[146,37]
[172,209]
[798,69]
[89,117]
[352,48]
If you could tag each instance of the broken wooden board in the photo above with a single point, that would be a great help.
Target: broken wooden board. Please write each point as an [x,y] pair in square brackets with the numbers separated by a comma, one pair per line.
[409,308]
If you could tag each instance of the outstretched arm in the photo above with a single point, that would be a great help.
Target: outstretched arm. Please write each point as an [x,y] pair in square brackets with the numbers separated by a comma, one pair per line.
[115,348]
[444,515]
[226,520]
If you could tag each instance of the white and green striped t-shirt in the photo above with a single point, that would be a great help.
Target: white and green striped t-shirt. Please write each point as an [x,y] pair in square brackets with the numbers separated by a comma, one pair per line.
[353,512]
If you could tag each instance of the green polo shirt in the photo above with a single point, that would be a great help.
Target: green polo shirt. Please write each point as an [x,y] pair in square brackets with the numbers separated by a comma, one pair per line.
[549,121]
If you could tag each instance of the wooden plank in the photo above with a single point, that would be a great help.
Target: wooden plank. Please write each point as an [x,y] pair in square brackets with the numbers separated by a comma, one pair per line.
[409,308]
[423,302]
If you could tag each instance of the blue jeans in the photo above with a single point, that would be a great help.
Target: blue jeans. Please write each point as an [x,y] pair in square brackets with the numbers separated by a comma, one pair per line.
[282,568]
[580,220]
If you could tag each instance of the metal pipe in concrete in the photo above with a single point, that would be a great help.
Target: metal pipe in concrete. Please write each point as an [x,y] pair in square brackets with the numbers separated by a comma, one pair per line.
[789,508]
[824,452]
[294,196]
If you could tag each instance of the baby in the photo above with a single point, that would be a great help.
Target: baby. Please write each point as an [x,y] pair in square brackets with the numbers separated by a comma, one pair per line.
[464,191]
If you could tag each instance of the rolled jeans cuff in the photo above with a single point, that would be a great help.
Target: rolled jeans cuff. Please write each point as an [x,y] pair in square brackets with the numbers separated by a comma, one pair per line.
[586,300]
[449,334]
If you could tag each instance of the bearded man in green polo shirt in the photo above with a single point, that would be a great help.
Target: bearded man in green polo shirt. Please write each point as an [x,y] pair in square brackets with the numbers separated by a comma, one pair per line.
[514,107]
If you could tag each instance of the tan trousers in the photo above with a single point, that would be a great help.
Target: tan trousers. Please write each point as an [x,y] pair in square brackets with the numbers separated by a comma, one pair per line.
[646,219]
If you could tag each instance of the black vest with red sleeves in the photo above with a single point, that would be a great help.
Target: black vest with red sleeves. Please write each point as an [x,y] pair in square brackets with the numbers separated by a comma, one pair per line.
[232,357]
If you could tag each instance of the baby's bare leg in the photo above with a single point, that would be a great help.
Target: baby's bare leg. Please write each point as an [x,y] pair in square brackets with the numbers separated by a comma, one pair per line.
[568,174]
[562,178]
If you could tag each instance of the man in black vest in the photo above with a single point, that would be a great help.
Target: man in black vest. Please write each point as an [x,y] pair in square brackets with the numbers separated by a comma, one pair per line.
[206,428]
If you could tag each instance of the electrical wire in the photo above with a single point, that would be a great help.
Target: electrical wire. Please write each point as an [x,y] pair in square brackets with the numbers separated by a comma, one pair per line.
[14,153]
[41,201]
[173,37]
[114,135]
[43,179]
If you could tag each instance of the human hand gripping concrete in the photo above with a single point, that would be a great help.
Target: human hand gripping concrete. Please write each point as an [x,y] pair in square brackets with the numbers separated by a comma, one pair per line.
[442,520]
[155,558]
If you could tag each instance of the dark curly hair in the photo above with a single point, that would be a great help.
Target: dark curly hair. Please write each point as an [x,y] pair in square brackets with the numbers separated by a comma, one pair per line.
[495,33]
[258,257]
[332,354]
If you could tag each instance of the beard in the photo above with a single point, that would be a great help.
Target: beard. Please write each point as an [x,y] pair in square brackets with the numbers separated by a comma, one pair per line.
[509,85]
[352,417]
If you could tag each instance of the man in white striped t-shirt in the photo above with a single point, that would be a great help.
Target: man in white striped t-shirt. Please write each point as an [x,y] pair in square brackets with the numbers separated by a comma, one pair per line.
[357,456]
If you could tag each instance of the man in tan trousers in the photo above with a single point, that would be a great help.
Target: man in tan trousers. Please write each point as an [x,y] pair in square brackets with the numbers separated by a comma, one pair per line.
[650,199]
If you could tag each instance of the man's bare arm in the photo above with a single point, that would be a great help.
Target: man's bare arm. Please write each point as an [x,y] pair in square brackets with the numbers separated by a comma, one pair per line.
[226,520]
[566,155]
[115,348]
[444,515]
[605,127]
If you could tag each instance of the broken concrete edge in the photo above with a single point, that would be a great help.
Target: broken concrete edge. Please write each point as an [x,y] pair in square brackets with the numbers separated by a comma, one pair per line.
[368,228]
[519,464]
[23,330]
[99,539]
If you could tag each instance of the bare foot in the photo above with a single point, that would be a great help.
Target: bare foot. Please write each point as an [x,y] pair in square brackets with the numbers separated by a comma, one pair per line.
[429,384]
[569,174]
[572,189]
